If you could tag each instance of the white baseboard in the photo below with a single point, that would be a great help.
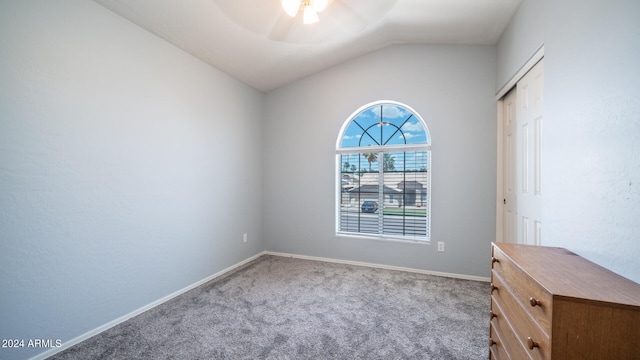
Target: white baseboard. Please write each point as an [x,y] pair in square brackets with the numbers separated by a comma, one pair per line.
[85,336]
[110,324]
[379,266]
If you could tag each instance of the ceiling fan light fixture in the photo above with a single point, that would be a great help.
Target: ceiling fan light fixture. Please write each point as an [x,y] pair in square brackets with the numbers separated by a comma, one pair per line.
[310,15]
[291,7]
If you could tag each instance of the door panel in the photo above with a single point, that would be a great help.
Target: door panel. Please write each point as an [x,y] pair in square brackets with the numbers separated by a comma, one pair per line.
[509,214]
[529,123]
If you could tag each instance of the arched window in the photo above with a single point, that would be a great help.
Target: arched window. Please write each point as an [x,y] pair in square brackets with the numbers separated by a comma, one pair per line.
[384,174]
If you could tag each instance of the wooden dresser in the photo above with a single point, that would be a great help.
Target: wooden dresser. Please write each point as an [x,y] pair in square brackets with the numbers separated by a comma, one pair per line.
[549,303]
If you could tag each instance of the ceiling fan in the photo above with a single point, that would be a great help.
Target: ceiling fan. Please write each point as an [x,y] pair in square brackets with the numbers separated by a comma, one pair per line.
[310,9]
[282,20]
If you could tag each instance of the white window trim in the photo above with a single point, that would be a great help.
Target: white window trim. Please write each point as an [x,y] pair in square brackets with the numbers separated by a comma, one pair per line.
[379,149]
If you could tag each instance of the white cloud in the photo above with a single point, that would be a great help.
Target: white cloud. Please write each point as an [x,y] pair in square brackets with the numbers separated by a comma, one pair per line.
[408,135]
[348,137]
[414,126]
[391,112]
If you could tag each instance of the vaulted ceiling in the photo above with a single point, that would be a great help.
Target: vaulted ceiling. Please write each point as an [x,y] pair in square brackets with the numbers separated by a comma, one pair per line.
[256,42]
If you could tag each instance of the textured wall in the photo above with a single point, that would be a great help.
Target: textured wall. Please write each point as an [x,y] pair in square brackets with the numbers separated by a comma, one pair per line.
[128,170]
[593,131]
[452,88]
[591,141]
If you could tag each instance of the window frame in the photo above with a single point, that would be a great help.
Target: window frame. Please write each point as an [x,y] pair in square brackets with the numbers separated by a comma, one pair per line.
[381,150]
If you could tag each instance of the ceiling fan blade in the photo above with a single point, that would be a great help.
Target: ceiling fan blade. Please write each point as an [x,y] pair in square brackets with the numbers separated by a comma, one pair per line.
[281,28]
[267,18]
[344,14]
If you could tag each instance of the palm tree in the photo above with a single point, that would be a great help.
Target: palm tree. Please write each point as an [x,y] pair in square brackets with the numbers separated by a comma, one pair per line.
[388,162]
[371,157]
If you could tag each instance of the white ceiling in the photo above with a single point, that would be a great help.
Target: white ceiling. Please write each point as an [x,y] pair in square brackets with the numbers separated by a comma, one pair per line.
[258,44]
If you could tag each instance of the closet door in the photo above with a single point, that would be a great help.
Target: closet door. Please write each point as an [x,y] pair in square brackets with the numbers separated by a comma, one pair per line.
[509,212]
[529,116]
[522,168]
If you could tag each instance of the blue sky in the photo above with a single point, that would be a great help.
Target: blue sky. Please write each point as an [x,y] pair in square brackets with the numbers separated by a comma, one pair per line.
[399,125]
[393,117]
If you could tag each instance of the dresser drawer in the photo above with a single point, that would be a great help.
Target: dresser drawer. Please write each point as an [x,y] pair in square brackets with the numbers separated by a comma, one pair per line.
[534,298]
[503,342]
[530,336]
[496,346]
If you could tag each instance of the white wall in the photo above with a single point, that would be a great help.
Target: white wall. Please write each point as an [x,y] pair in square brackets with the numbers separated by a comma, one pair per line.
[591,142]
[128,170]
[452,88]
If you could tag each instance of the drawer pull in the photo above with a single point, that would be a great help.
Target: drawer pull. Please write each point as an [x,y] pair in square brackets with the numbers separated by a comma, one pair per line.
[532,344]
[492,315]
[491,342]
[494,260]
[534,302]
[493,287]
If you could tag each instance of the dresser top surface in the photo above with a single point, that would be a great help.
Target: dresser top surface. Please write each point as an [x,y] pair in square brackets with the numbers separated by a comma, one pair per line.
[566,274]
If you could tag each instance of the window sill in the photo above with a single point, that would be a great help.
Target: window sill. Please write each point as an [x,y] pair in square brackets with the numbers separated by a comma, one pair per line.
[383,238]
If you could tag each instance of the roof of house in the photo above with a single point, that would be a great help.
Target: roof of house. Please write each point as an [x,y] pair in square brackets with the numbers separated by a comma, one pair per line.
[393,181]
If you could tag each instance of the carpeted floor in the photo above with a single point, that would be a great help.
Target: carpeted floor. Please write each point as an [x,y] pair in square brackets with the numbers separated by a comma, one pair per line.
[285,308]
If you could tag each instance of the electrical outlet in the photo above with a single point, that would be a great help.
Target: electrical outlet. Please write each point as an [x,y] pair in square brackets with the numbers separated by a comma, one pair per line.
[440,246]
[244,238]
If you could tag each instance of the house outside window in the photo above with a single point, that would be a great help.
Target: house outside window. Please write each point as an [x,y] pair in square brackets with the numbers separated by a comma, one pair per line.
[383,158]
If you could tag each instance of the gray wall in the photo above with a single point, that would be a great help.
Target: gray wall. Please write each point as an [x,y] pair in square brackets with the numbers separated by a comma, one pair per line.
[522,38]
[128,170]
[452,88]
[591,130]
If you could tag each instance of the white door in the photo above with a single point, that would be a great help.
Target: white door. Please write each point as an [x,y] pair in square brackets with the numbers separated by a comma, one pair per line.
[509,167]
[529,116]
